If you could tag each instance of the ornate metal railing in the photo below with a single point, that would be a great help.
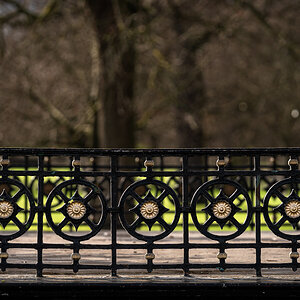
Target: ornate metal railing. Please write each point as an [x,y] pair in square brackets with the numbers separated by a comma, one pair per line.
[80,194]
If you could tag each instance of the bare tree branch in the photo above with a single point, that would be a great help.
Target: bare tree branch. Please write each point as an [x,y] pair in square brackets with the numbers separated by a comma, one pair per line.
[55,113]
[9,16]
[31,17]
[21,9]
[261,17]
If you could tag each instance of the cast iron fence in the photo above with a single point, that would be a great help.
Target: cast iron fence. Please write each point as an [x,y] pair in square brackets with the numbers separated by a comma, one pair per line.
[78,194]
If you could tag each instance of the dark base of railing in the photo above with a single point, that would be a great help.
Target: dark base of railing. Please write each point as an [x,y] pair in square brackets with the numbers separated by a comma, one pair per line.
[135,289]
[181,210]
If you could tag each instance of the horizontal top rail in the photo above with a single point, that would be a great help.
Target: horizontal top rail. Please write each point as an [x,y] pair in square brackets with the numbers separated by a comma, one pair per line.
[167,151]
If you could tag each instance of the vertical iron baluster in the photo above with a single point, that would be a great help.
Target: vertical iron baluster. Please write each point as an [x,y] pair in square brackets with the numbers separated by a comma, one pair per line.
[113,217]
[26,212]
[257,215]
[40,216]
[185,206]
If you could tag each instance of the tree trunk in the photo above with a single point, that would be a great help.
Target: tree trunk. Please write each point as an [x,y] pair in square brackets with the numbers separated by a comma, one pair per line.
[190,87]
[191,99]
[117,58]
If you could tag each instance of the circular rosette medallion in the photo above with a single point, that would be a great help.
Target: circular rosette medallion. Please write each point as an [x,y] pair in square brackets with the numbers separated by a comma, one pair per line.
[149,210]
[282,208]
[221,209]
[17,209]
[82,210]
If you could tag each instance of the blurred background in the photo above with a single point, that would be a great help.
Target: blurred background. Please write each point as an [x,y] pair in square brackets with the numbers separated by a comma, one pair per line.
[149,73]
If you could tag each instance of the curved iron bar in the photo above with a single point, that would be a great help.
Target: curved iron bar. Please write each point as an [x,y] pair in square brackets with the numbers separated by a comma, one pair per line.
[218,199]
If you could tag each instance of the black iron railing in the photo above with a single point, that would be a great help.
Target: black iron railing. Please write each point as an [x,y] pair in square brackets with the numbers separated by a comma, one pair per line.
[150,194]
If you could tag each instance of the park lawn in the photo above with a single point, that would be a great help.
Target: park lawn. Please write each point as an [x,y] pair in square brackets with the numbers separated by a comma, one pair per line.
[168,217]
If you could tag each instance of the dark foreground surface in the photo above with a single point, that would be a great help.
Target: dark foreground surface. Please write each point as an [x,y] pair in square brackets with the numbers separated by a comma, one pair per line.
[228,286]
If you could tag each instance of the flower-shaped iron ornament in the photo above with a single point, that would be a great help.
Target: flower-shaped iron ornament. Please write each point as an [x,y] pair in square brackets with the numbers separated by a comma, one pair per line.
[8,208]
[149,208]
[292,209]
[220,209]
[14,192]
[289,209]
[77,209]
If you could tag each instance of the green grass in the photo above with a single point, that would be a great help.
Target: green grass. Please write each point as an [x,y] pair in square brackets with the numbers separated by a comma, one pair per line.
[168,217]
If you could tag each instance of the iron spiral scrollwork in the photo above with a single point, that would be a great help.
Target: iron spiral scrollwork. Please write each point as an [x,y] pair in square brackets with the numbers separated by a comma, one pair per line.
[13,197]
[78,207]
[149,209]
[287,206]
[221,209]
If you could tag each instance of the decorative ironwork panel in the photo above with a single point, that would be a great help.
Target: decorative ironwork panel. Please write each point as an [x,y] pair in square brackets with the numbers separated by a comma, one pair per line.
[288,207]
[222,209]
[149,208]
[149,200]
[75,197]
[11,208]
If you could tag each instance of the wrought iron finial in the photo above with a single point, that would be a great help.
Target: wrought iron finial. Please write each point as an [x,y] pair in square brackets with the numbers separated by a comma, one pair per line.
[149,163]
